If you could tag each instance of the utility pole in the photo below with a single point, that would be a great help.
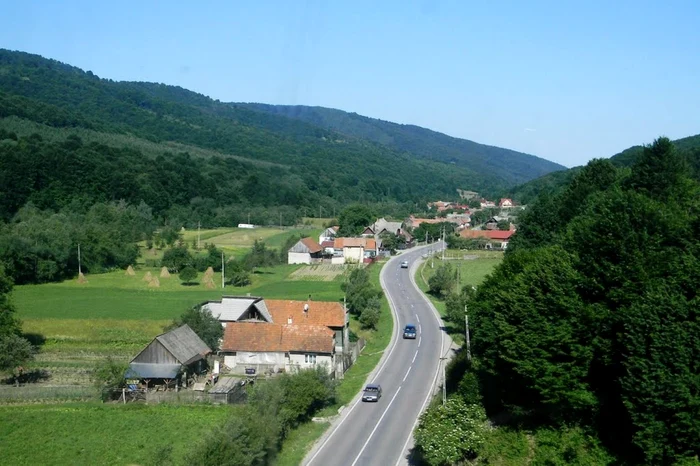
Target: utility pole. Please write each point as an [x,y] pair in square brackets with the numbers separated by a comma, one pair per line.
[79,269]
[426,238]
[444,380]
[248,218]
[319,211]
[199,245]
[280,220]
[466,334]
[443,244]
[223,272]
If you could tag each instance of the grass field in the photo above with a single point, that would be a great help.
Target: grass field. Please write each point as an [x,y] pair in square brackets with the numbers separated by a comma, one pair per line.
[89,433]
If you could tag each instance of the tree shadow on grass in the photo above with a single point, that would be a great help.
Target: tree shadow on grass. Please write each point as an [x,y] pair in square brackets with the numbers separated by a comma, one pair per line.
[36,339]
[32,376]
[190,283]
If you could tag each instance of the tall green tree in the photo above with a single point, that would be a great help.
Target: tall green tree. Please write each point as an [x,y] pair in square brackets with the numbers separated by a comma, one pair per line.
[355,218]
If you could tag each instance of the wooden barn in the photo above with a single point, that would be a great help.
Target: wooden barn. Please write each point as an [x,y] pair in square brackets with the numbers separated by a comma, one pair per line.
[169,356]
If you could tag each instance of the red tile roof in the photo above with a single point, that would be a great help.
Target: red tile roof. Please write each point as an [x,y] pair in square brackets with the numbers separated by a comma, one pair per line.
[367,243]
[313,246]
[266,337]
[327,314]
[490,234]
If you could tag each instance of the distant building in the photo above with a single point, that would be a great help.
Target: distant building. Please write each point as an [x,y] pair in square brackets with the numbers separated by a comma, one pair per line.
[305,251]
[505,202]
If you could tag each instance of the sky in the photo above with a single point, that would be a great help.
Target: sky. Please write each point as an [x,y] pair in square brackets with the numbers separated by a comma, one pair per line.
[566,81]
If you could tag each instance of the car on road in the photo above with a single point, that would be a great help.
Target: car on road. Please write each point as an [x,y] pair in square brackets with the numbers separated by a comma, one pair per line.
[409,332]
[372,392]
[404,264]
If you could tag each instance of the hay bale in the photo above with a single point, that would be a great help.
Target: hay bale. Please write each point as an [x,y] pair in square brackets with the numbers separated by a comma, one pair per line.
[81,278]
[155,283]
[209,272]
[164,273]
[130,271]
[148,277]
[209,284]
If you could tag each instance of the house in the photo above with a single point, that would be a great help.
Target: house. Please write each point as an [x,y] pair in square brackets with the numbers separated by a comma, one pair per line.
[328,235]
[414,222]
[486,203]
[300,334]
[305,251]
[492,223]
[246,309]
[169,356]
[505,202]
[354,250]
[494,239]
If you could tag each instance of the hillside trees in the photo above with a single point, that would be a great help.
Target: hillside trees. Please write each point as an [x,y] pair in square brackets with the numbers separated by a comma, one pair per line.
[592,317]
[362,298]
[14,350]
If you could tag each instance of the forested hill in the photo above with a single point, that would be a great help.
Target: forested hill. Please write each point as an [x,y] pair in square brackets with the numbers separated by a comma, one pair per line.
[554,182]
[307,165]
[512,166]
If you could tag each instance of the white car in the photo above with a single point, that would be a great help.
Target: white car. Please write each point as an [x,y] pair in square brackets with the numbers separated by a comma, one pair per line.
[404,264]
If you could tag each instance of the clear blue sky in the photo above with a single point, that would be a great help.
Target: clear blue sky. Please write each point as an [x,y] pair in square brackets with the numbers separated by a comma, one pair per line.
[567,81]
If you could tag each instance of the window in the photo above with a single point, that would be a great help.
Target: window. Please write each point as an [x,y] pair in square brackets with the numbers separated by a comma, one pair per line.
[310,358]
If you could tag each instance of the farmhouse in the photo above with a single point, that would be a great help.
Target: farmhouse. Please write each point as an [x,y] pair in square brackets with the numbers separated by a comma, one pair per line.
[238,309]
[169,356]
[494,239]
[328,234]
[298,334]
[305,251]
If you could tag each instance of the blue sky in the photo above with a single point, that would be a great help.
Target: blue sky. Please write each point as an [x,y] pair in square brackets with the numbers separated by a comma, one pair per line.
[563,81]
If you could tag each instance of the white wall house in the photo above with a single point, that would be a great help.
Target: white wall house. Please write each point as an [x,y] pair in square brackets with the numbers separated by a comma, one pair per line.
[305,251]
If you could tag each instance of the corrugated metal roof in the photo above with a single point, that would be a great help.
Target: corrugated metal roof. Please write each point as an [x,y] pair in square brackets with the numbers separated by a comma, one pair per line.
[143,370]
[262,308]
[229,309]
[184,344]
[225,385]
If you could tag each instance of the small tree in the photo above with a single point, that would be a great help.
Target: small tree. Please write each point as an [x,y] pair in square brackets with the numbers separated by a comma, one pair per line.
[188,274]
[206,326]
[442,281]
[176,259]
[14,351]
[108,377]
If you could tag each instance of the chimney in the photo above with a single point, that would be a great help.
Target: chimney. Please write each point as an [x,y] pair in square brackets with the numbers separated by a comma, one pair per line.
[289,320]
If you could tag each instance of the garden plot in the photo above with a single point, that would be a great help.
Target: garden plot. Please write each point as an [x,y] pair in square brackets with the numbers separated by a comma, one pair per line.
[321,272]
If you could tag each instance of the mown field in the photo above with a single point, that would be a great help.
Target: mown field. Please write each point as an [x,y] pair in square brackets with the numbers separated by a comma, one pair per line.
[92,433]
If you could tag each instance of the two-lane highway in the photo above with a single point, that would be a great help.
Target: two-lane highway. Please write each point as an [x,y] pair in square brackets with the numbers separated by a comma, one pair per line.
[379,433]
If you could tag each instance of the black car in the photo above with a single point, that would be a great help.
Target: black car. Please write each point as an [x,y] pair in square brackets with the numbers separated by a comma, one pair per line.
[372,392]
[410,331]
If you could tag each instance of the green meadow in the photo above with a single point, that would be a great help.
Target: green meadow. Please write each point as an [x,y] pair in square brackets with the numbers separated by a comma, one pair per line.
[92,433]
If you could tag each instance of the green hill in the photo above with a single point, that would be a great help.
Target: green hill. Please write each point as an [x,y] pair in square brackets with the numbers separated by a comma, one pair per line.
[510,166]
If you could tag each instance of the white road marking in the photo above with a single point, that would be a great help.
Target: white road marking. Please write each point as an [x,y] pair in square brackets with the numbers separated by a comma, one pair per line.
[375,428]
[417,318]
[414,357]
[407,372]
[419,338]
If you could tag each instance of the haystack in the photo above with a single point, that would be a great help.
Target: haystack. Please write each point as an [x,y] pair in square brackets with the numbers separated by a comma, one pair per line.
[81,278]
[209,284]
[209,272]
[148,277]
[155,283]
[164,272]
[130,271]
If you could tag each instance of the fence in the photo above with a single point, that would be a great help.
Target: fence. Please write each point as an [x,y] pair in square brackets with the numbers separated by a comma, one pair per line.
[46,394]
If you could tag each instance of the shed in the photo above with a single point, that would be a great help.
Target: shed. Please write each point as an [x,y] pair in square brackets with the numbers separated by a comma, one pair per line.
[169,354]
[228,390]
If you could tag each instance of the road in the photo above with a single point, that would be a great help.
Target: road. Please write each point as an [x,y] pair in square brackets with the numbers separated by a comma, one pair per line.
[380,433]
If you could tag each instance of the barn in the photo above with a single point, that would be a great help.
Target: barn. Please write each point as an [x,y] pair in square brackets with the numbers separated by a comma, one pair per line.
[305,251]
[169,356]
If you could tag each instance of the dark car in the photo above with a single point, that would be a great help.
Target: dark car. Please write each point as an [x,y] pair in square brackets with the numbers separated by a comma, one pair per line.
[409,331]
[372,392]
[404,264]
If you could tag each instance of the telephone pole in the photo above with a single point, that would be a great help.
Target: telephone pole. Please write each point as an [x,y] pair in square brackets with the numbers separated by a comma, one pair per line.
[223,272]
[443,360]
[79,269]
[199,245]
[443,244]
[466,334]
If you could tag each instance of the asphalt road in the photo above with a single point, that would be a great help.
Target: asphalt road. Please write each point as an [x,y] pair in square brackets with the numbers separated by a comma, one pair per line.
[380,433]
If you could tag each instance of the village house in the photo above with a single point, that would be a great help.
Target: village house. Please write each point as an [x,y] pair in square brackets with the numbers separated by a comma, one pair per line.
[298,334]
[354,250]
[493,239]
[328,234]
[485,203]
[170,358]
[305,251]
[505,202]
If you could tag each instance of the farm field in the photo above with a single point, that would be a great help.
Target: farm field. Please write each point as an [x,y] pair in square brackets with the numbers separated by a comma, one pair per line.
[320,272]
[92,433]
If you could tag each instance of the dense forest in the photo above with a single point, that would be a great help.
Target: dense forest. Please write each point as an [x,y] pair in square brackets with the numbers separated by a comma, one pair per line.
[512,166]
[593,318]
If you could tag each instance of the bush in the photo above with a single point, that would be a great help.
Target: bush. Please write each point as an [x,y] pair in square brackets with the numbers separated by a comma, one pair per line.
[108,377]
[188,274]
[206,326]
[176,259]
